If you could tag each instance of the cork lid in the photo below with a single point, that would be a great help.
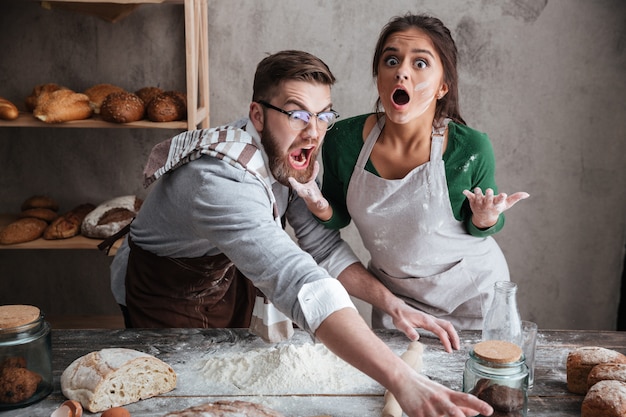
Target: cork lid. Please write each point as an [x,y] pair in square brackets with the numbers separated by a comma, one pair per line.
[17,315]
[498,351]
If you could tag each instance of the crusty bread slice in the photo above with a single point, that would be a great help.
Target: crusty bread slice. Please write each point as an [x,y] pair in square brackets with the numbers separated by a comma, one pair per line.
[115,377]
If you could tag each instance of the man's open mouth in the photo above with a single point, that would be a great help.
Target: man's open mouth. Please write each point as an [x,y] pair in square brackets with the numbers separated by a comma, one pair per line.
[299,159]
[400,97]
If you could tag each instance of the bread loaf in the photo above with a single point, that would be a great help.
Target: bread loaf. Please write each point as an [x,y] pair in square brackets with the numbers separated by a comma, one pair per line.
[40,201]
[62,106]
[605,399]
[581,360]
[146,94]
[227,409]
[8,110]
[606,371]
[98,93]
[41,92]
[22,230]
[122,107]
[110,217]
[116,377]
[169,106]
[68,225]
[40,213]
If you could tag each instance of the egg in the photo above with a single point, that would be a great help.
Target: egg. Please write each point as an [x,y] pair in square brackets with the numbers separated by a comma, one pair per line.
[116,412]
[68,409]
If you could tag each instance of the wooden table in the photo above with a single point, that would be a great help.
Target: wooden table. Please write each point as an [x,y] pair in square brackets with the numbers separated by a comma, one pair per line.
[181,348]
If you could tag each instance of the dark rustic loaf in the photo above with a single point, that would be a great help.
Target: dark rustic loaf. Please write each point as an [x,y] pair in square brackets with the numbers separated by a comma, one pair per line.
[581,361]
[605,399]
[69,224]
[169,106]
[146,94]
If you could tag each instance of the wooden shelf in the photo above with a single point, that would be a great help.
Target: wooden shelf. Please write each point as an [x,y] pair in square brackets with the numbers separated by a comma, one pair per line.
[26,119]
[76,242]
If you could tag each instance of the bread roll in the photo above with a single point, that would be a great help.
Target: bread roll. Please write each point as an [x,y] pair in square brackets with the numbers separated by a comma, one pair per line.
[8,110]
[40,213]
[606,371]
[98,93]
[40,201]
[122,107]
[581,360]
[605,399]
[110,217]
[146,94]
[41,92]
[68,225]
[116,377]
[169,106]
[63,106]
[22,230]
[227,409]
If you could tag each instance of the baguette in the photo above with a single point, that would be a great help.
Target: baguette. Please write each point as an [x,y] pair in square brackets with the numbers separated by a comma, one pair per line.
[115,377]
[8,110]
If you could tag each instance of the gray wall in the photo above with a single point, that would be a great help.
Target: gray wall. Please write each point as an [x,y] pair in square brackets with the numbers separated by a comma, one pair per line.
[545,80]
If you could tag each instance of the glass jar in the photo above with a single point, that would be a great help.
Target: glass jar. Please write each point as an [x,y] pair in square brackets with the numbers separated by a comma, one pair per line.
[25,356]
[496,373]
[502,321]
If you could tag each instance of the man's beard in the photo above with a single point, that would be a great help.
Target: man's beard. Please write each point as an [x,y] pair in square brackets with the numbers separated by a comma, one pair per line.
[279,163]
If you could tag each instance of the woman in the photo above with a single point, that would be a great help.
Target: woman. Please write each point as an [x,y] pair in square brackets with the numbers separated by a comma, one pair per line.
[404,176]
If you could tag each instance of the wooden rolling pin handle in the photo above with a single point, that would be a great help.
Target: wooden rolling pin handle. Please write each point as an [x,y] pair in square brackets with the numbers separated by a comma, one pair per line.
[413,357]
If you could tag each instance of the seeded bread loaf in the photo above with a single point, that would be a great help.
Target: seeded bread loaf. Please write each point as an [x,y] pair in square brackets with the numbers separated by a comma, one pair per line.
[115,377]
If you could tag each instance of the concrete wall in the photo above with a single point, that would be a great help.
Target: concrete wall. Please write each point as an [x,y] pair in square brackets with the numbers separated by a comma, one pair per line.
[545,80]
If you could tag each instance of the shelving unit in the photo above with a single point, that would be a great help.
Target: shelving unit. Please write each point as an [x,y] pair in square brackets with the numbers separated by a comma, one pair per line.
[197,79]
[197,86]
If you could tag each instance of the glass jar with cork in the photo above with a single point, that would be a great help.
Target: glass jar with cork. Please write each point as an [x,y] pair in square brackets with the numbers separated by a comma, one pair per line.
[25,356]
[496,373]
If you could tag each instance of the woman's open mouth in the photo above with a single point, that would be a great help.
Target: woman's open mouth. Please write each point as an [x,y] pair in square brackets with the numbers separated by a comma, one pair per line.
[400,97]
[299,159]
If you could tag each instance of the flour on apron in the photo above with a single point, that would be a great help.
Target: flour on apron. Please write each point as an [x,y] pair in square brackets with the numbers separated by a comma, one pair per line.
[418,249]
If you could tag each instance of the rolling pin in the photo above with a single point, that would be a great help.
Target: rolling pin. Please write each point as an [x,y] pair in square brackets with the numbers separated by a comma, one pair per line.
[413,357]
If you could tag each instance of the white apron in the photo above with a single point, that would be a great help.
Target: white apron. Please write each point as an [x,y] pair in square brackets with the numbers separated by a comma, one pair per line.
[419,251]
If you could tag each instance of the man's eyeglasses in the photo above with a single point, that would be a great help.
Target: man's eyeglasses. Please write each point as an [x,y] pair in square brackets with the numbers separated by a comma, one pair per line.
[300,119]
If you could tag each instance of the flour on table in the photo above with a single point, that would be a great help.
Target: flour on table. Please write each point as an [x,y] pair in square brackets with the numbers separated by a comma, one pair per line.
[286,369]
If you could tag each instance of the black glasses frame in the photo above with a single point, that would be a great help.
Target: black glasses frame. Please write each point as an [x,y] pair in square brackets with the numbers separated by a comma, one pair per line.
[311,115]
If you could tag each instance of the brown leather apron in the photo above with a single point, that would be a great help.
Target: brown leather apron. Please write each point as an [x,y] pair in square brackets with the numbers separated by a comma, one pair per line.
[204,292]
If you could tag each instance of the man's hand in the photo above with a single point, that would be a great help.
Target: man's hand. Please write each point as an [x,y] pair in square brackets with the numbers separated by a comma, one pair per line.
[406,319]
[312,195]
[487,208]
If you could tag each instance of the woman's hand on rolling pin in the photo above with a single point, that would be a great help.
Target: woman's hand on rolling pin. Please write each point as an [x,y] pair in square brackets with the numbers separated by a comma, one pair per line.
[486,208]
[421,397]
[407,319]
[312,195]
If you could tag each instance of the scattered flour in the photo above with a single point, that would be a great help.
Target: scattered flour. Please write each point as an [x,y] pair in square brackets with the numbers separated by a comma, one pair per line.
[286,369]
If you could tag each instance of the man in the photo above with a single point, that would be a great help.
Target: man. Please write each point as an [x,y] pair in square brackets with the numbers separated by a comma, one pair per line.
[210,231]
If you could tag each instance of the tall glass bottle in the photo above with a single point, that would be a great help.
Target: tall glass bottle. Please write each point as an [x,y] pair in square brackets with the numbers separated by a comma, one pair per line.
[502,321]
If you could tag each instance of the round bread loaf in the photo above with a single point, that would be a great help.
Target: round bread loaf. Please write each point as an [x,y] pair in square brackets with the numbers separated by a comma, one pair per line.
[115,377]
[606,371]
[22,230]
[40,91]
[224,408]
[40,213]
[40,201]
[98,93]
[169,106]
[581,361]
[122,107]
[146,94]
[605,399]
[62,106]
[110,217]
